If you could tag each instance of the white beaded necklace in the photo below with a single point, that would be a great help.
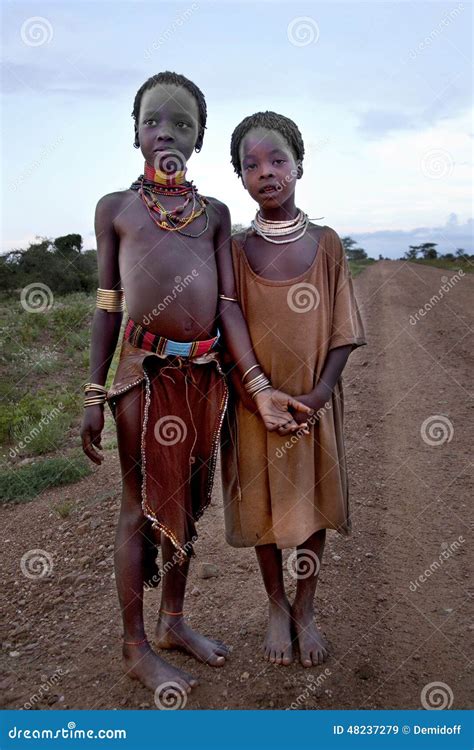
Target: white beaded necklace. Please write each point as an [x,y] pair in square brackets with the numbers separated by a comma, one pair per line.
[265,228]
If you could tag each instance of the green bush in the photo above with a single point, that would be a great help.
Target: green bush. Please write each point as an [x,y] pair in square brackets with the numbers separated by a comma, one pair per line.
[26,482]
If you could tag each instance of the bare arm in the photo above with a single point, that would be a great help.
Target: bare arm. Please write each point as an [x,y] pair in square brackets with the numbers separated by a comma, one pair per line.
[105,325]
[334,365]
[271,404]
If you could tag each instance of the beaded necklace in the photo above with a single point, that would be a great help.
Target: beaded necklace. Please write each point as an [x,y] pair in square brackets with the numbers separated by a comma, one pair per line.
[154,183]
[267,229]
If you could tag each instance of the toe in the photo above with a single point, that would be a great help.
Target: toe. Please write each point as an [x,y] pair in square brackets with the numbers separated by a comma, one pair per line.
[306,660]
[272,656]
[286,659]
[278,657]
[221,651]
[315,658]
[185,686]
[219,643]
[215,660]
[190,681]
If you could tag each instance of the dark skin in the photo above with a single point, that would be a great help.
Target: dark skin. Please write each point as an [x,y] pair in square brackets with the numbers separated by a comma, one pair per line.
[270,171]
[144,260]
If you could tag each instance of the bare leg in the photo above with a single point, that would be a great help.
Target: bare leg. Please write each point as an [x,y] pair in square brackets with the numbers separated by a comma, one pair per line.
[171,630]
[139,661]
[313,647]
[277,646]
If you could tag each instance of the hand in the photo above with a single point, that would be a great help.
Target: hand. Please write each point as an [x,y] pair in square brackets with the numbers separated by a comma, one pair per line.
[273,407]
[316,400]
[92,426]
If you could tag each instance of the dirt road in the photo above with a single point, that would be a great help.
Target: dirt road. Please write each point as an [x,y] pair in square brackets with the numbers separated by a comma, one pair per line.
[393,599]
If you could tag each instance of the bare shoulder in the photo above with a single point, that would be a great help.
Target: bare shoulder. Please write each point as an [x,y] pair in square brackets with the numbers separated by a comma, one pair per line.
[111,204]
[219,210]
[218,205]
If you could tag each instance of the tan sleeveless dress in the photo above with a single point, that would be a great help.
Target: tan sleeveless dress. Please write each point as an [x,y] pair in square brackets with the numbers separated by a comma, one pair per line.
[282,489]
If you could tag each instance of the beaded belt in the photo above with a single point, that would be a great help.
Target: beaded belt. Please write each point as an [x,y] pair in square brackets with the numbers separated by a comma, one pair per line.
[138,336]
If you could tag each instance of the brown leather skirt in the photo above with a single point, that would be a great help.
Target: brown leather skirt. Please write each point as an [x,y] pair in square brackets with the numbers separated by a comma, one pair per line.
[181,418]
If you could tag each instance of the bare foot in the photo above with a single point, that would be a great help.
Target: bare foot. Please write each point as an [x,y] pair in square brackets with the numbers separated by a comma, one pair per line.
[172,632]
[277,646]
[313,648]
[141,663]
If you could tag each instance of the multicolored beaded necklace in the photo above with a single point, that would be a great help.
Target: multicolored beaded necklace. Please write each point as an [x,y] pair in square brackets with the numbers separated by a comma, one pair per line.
[154,183]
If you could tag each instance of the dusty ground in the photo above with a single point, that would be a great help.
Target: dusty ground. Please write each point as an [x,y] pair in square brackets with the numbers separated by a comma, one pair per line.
[409,501]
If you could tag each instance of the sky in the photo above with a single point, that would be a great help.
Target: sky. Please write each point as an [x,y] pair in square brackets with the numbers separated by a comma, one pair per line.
[381,91]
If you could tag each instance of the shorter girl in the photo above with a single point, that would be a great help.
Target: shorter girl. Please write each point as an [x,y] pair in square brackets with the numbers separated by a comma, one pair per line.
[296,293]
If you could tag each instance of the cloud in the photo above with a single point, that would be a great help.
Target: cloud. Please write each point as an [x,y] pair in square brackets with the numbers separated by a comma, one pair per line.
[394,243]
[74,78]
[447,104]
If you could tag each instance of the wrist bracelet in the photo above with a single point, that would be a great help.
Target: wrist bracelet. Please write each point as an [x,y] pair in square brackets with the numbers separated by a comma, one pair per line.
[256,383]
[247,371]
[263,388]
[94,387]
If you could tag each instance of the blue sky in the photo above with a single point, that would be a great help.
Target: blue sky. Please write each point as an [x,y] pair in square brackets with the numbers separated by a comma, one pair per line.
[381,92]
